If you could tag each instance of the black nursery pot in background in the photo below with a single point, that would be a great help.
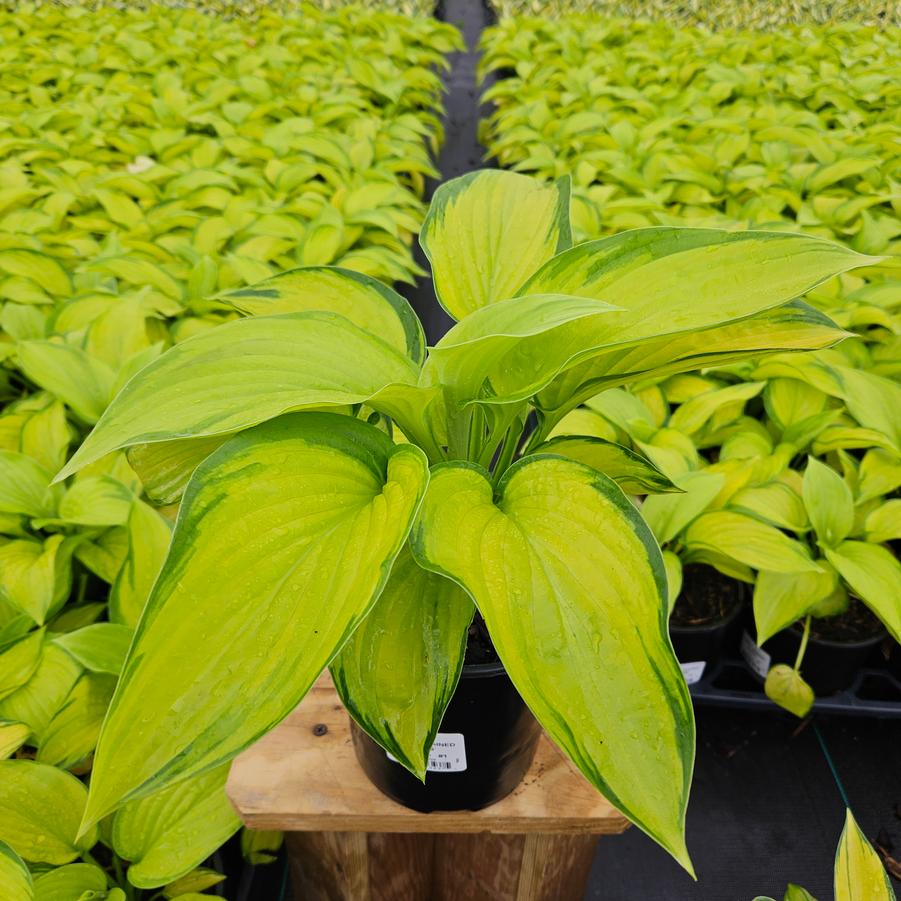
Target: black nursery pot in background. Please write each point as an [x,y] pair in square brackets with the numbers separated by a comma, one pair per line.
[484,747]
[705,623]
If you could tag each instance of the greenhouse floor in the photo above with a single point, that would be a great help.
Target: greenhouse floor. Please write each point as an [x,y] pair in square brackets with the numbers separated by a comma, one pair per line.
[765,809]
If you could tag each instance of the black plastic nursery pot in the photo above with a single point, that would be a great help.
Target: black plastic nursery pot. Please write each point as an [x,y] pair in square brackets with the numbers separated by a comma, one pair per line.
[701,637]
[483,749]
[829,665]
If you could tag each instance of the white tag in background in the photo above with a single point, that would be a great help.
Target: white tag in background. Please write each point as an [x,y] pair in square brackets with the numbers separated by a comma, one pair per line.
[693,671]
[448,754]
[755,657]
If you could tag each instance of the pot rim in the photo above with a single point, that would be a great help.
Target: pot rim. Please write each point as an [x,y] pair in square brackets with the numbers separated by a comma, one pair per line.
[712,626]
[482,670]
[832,643]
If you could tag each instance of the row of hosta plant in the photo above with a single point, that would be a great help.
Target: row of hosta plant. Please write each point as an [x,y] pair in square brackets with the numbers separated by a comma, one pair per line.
[755,14]
[659,125]
[169,154]
[790,466]
[245,8]
[147,162]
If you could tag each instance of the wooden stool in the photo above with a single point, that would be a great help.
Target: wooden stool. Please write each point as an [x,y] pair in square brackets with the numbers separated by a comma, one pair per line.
[348,842]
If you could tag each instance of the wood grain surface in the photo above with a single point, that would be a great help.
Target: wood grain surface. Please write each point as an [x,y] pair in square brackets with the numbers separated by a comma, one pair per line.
[303,776]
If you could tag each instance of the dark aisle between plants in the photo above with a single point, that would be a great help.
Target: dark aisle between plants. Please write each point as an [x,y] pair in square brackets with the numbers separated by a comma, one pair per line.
[765,809]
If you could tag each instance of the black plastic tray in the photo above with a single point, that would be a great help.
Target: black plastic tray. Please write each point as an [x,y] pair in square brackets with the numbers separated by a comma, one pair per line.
[875,692]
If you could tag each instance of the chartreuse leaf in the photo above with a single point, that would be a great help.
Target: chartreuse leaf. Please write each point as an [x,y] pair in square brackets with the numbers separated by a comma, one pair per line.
[749,542]
[100,647]
[148,541]
[40,807]
[884,523]
[19,661]
[15,880]
[96,501]
[197,880]
[829,503]
[592,659]
[365,301]
[859,873]
[285,537]
[164,467]
[796,893]
[397,672]
[71,735]
[786,687]
[488,231]
[73,881]
[772,502]
[28,574]
[83,383]
[633,472]
[258,846]
[874,575]
[673,566]
[12,737]
[691,416]
[169,833]
[668,516]
[782,598]
[24,486]
[38,701]
[243,373]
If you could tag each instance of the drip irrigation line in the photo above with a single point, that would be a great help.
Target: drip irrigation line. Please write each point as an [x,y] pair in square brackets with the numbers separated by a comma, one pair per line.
[833,769]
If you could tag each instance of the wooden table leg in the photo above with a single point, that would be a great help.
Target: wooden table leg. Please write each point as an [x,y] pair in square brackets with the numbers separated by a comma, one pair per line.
[357,866]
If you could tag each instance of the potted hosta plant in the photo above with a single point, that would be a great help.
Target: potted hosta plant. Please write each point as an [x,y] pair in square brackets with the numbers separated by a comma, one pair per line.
[833,617]
[304,514]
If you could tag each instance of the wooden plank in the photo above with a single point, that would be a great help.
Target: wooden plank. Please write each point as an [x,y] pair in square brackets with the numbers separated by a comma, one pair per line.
[303,776]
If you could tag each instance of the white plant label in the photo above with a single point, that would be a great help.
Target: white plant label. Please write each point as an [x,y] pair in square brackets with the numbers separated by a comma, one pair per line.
[448,754]
[755,657]
[693,671]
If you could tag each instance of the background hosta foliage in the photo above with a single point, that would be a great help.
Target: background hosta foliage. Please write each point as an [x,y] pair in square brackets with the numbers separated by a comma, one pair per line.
[246,8]
[757,14]
[150,159]
[169,154]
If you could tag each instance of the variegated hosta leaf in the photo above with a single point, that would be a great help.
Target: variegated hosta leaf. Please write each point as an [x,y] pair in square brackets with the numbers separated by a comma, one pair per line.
[486,232]
[285,537]
[398,671]
[633,472]
[859,873]
[40,807]
[366,302]
[795,326]
[165,467]
[572,587]
[244,373]
[166,835]
[728,276]
[511,349]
